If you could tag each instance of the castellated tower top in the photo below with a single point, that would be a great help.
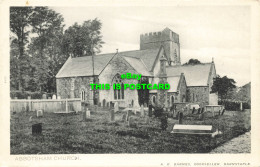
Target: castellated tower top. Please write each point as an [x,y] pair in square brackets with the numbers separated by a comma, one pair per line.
[167,38]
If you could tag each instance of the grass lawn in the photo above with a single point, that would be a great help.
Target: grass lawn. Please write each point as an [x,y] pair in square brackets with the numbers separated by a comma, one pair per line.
[68,134]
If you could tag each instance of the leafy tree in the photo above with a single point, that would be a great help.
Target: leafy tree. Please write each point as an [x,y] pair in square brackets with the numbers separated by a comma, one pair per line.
[85,39]
[192,62]
[45,48]
[19,26]
[223,85]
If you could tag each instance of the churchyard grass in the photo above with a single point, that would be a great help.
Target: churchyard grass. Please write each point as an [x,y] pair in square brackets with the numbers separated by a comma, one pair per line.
[69,134]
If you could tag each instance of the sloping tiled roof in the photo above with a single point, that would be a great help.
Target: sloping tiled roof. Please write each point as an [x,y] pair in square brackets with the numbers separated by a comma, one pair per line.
[173,81]
[82,66]
[196,75]
[138,65]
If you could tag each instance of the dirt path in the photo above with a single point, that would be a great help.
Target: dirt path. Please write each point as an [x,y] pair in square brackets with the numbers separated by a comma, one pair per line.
[240,144]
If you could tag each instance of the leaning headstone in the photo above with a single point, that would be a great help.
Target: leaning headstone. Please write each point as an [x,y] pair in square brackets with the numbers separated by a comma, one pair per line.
[142,110]
[150,110]
[223,112]
[54,97]
[180,117]
[116,107]
[88,113]
[44,96]
[112,115]
[39,113]
[37,128]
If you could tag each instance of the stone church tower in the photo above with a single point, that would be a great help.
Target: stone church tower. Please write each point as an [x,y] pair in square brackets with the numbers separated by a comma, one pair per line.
[167,38]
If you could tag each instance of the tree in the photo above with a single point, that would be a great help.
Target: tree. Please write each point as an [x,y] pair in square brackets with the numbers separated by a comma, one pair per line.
[223,85]
[46,48]
[19,26]
[192,62]
[85,39]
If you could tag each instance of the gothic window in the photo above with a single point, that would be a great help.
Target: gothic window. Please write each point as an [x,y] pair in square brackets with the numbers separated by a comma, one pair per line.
[118,93]
[83,95]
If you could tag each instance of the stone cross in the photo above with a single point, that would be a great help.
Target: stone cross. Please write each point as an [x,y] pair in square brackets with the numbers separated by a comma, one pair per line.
[39,113]
[162,93]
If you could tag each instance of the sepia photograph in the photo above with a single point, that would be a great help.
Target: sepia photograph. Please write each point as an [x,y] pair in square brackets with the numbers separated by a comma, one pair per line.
[90,84]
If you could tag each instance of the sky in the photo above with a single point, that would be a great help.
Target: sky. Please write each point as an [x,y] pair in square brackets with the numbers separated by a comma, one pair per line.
[205,32]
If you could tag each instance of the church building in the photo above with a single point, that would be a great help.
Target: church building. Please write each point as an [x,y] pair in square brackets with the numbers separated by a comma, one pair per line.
[158,51]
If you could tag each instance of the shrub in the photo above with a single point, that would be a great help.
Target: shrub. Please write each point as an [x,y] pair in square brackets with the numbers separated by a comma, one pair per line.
[234,106]
[25,94]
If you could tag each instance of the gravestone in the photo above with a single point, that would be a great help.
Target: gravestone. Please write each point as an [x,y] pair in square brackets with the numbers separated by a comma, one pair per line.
[99,104]
[202,110]
[147,120]
[193,110]
[128,114]
[27,108]
[124,117]
[223,112]
[59,97]
[44,96]
[37,128]
[199,110]
[104,103]
[201,116]
[30,119]
[142,110]
[111,104]
[150,110]
[180,117]
[108,104]
[131,123]
[39,113]
[29,97]
[84,115]
[88,113]
[241,106]
[116,107]
[54,97]
[112,115]
[164,122]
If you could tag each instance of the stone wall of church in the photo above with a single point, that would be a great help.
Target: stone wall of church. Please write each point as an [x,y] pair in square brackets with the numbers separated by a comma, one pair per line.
[198,94]
[72,87]
[118,66]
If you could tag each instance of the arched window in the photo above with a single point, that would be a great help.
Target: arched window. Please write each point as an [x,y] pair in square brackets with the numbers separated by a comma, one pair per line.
[118,93]
[83,95]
